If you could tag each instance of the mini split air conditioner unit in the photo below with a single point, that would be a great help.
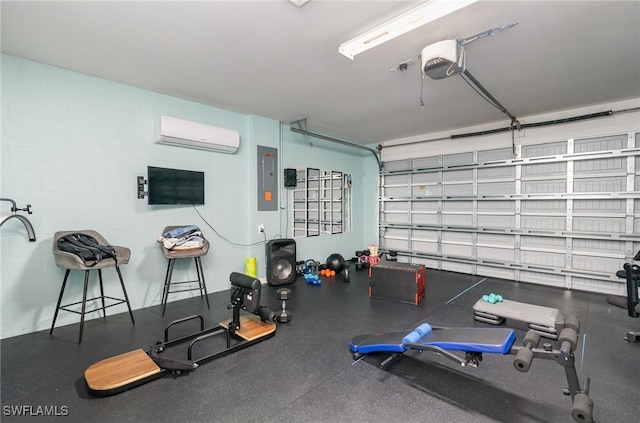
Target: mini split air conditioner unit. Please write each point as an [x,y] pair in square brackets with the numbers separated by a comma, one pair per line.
[182,133]
[442,59]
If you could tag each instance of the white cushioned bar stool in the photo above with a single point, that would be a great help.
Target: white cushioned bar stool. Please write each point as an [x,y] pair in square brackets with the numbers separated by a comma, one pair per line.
[174,254]
[70,261]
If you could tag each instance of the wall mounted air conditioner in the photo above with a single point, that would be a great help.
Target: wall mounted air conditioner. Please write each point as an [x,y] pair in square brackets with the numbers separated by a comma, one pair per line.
[182,133]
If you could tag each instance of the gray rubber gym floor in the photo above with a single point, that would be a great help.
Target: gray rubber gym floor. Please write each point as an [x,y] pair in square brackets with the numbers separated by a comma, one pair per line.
[306,373]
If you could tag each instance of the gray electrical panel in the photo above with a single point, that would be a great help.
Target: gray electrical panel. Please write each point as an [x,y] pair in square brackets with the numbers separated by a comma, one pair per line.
[267,178]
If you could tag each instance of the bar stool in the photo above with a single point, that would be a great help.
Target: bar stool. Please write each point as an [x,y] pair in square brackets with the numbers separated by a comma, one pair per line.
[172,256]
[70,261]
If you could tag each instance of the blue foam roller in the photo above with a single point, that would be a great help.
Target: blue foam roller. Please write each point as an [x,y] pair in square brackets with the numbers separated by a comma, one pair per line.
[423,329]
[412,338]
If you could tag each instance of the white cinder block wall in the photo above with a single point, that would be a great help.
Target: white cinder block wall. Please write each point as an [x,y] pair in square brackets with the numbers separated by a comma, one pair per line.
[72,147]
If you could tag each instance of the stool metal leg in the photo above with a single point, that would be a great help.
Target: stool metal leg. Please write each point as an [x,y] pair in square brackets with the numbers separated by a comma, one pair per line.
[167,283]
[84,304]
[55,315]
[198,276]
[104,308]
[126,297]
[203,285]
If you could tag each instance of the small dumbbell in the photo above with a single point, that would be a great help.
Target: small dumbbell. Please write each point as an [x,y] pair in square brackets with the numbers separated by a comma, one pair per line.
[283,316]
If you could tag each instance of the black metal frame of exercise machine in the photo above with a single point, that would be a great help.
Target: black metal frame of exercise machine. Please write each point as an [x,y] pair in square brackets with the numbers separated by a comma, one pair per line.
[632,273]
[123,372]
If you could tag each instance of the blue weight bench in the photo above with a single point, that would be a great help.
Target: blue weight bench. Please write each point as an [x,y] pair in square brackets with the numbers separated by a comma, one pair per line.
[472,341]
[465,346]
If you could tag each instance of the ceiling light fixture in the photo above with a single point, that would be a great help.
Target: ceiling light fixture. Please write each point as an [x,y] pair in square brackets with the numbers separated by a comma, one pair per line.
[426,12]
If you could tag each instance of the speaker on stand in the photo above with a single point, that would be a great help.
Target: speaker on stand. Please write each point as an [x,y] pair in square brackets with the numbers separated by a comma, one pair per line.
[281,261]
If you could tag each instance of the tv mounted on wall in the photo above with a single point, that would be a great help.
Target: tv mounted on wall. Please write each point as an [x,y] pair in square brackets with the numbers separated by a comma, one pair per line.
[175,186]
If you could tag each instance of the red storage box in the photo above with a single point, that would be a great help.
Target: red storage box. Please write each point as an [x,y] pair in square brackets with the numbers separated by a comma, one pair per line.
[403,282]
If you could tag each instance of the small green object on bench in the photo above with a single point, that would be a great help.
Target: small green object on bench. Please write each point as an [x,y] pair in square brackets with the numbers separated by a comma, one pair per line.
[492,298]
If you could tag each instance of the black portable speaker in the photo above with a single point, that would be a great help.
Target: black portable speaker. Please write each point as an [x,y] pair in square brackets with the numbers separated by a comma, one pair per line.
[281,261]
[290,178]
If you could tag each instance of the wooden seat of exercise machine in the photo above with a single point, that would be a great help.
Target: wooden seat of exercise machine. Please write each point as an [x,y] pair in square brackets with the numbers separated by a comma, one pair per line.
[251,327]
[121,372]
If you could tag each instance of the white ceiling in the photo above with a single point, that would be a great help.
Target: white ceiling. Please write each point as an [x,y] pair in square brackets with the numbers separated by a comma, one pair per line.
[276,60]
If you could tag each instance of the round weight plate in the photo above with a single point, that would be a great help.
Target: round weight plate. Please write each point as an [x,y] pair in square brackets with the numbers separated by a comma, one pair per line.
[568,335]
[572,322]
[582,409]
[523,360]
[531,339]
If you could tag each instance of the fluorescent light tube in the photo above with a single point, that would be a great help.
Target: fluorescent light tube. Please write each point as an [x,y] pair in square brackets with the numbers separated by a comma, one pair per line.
[426,12]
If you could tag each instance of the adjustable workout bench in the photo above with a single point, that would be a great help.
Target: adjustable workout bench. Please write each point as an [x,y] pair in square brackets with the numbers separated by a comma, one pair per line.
[548,322]
[473,342]
[125,371]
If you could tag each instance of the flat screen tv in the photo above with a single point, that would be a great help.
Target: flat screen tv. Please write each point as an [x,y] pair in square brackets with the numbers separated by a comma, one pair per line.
[174,186]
